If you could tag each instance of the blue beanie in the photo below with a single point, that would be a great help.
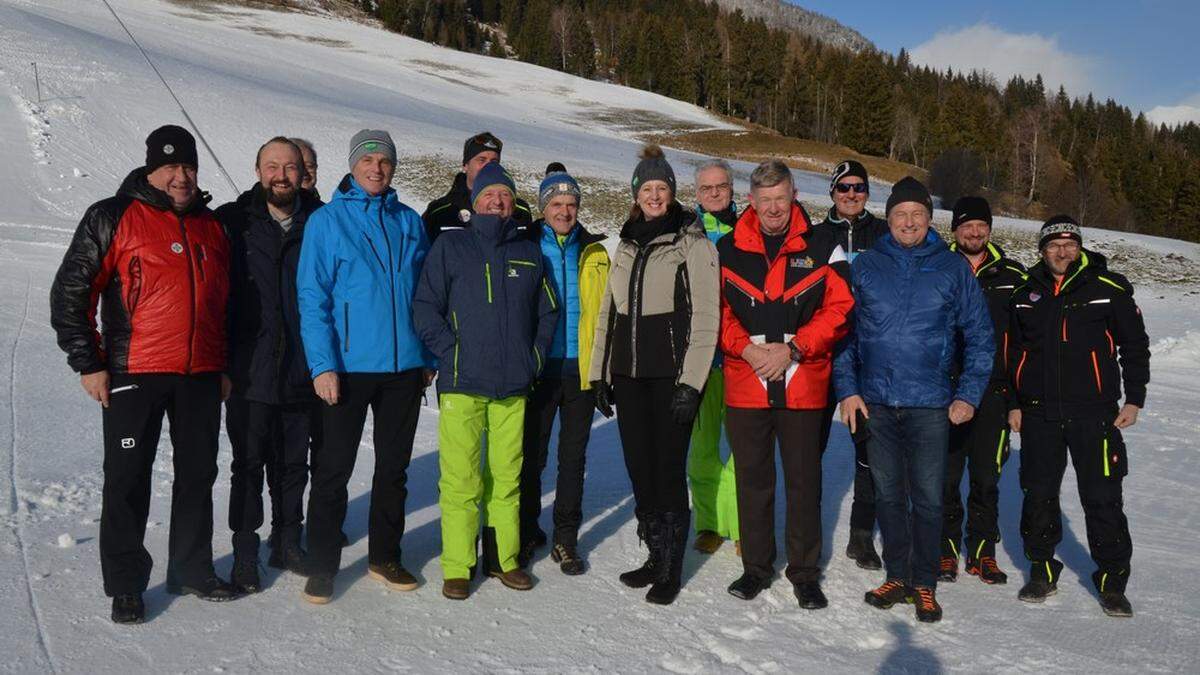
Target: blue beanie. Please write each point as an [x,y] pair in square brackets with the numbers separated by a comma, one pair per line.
[492,174]
[555,184]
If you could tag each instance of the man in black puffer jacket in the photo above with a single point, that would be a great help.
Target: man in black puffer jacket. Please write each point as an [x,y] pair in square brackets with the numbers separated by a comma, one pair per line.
[1068,326]
[271,416]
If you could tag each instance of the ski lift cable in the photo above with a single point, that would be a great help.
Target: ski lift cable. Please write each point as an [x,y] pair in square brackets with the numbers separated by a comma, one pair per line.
[182,109]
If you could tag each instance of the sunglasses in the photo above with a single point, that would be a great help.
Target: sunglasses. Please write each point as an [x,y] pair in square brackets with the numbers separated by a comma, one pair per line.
[859,188]
[488,141]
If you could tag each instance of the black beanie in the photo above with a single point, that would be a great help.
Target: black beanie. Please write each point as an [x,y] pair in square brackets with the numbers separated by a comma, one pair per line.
[909,189]
[481,142]
[555,167]
[654,166]
[848,168]
[1060,227]
[170,145]
[970,208]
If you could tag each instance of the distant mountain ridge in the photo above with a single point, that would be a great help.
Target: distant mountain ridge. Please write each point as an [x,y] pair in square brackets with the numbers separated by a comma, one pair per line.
[786,16]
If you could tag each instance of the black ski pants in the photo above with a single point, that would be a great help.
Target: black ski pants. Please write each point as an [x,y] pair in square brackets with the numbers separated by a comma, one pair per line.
[980,447]
[559,397]
[395,403]
[655,447]
[862,507]
[132,426]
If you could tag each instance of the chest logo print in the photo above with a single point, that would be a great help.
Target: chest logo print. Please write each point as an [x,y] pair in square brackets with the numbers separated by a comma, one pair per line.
[176,247]
[512,273]
[1034,297]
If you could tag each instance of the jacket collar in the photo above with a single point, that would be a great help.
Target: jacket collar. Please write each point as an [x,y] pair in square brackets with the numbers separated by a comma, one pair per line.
[747,234]
[861,219]
[136,186]
[933,244]
[1078,271]
[493,229]
[349,190]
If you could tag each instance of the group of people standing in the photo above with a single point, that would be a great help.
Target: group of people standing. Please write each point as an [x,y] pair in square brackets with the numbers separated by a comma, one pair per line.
[301,315]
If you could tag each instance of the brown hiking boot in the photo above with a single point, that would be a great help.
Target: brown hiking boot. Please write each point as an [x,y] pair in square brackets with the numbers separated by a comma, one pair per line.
[516,579]
[987,570]
[456,589]
[707,541]
[393,575]
[928,609]
[892,592]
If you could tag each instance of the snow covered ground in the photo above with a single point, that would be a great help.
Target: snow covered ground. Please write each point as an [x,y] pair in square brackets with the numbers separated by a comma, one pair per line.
[247,75]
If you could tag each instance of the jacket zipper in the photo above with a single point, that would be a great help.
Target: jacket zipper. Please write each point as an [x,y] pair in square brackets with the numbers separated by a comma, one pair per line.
[346,323]
[637,277]
[487,275]
[1096,370]
[187,247]
[392,289]
[454,318]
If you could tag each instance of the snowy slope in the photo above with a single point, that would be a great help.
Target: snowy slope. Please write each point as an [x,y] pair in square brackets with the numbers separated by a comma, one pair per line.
[245,76]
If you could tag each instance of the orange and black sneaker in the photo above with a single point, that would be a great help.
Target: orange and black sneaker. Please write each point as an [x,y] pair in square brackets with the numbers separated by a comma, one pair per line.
[948,569]
[892,592]
[928,609]
[987,570]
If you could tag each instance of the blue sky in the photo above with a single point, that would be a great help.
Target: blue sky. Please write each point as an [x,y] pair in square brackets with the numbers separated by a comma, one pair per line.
[1143,53]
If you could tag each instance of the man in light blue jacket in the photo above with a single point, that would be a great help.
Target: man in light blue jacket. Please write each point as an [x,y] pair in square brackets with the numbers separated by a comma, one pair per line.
[359,264]
[914,297]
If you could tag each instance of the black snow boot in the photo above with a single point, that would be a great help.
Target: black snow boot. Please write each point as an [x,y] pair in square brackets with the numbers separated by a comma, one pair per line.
[212,589]
[288,557]
[861,549]
[128,609]
[245,574]
[1116,604]
[649,526]
[673,543]
[1043,581]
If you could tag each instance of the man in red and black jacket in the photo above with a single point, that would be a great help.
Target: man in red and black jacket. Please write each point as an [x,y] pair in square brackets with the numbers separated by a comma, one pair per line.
[156,261]
[783,309]
[1075,336]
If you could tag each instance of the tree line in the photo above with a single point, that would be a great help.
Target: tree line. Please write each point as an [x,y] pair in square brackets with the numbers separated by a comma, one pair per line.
[1032,151]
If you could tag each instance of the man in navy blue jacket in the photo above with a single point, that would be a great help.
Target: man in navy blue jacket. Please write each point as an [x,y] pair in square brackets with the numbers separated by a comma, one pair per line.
[485,308]
[913,295]
[359,264]
[271,414]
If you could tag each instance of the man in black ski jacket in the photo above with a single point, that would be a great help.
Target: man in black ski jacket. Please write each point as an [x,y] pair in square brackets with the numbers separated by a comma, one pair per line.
[271,417]
[981,444]
[855,229]
[1075,337]
[453,210]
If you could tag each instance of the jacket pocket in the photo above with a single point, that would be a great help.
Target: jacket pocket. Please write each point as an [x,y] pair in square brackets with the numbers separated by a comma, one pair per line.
[1020,368]
[345,327]
[1096,372]
[454,358]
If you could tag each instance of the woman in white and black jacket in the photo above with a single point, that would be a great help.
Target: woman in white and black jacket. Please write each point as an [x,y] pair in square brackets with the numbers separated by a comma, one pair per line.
[655,339]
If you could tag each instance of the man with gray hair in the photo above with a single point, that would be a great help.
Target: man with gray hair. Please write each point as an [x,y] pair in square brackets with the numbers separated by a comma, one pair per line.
[714,490]
[783,308]
[308,182]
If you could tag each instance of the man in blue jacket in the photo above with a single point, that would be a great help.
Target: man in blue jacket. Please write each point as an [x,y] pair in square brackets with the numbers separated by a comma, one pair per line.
[913,295]
[359,264]
[485,308]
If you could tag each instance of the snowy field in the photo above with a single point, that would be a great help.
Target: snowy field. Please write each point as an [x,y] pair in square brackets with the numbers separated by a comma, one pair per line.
[247,75]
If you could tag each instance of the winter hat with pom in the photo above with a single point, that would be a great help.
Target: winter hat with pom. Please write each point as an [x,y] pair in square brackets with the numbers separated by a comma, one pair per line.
[654,166]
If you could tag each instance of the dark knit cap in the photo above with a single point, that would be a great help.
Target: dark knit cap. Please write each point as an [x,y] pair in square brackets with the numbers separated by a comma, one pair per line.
[170,145]
[489,175]
[909,189]
[654,166]
[481,142]
[555,167]
[848,168]
[1060,227]
[557,183]
[971,208]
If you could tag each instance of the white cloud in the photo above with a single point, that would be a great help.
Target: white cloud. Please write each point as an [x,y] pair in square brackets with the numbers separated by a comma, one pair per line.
[1188,110]
[986,47]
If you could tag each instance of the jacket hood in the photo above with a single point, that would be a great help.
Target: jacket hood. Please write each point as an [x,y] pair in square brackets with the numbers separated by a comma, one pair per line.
[136,186]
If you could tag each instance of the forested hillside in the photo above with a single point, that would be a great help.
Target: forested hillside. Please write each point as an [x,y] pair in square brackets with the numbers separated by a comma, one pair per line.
[1033,151]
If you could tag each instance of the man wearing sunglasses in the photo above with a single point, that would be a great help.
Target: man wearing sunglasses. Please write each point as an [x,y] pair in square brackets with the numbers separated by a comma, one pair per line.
[855,229]
[453,210]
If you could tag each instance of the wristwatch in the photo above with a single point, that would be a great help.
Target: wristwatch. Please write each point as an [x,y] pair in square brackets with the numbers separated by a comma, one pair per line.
[796,355]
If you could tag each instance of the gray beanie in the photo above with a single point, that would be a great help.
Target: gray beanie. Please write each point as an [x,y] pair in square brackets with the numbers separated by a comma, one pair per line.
[368,141]
[654,166]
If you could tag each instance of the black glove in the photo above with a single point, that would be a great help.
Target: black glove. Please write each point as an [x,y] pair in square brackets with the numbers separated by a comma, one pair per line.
[603,394]
[685,403]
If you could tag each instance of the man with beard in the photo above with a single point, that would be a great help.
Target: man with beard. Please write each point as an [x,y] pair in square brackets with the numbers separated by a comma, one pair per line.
[1068,325]
[157,262]
[855,229]
[272,416]
[308,182]
[980,444]
[453,210]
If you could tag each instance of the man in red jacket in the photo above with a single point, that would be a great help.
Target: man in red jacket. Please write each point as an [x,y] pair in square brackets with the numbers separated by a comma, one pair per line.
[156,261]
[783,308]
